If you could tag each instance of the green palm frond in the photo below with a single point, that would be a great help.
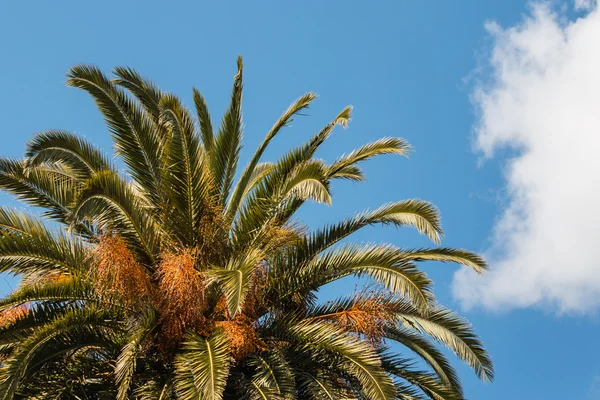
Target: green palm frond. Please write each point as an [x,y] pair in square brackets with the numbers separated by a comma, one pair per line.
[188,188]
[20,329]
[204,121]
[292,161]
[453,331]
[360,360]
[274,373]
[55,337]
[343,167]
[343,119]
[305,181]
[348,172]
[407,391]
[69,289]
[379,262]
[60,377]
[320,387]
[111,203]
[416,213]
[439,323]
[202,367]
[227,143]
[14,221]
[154,390]
[235,278]
[305,152]
[145,91]
[136,138]
[67,148]
[242,186]
[428,383]
[44,187]
[260,171]
[260,392]
[444,254]
[41,250]
[419,214]
[427,352]
[126,362]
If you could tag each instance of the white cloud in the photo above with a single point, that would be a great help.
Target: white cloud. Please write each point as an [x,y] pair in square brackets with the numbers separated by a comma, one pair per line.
[543,102]
[585,4]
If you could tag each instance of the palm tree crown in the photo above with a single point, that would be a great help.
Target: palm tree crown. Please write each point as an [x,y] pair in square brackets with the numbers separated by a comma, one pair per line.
[168,278]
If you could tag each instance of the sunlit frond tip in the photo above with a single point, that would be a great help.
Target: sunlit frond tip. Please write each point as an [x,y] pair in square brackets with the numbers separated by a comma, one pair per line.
[344,117]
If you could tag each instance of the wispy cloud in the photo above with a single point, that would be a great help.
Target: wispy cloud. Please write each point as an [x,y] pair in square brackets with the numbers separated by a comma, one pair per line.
[594,392]
[585,4]
[543,101]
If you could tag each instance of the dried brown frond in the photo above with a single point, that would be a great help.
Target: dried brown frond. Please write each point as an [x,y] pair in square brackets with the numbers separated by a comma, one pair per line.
[13,314]
[119,275]
[181,296]
[243,339]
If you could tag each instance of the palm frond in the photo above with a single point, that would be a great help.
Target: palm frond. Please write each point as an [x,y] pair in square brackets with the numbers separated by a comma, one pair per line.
[258,174]
[428,383]
[305,181]
[291,161]
[144,90]
[242,185]
[234,280]
[451,330]
[69,289]
[274,372]
[360,359]
[154,389]
[65,147]
[41,250]
[188,186]
[439,323]
[427,352]
[380,262]
[227,144]
[342,168]
[416,213]
[14,221]
[348,172]
[48,188]
[204,121]
[109,201]
[126,362]
[321,387]
[202,367]
[60,334]
[444,254]
[136,138]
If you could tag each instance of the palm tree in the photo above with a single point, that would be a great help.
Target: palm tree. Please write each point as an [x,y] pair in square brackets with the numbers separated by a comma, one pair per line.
[165,279]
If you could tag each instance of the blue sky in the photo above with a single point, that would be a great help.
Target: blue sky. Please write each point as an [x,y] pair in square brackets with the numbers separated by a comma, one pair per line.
[410,69]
